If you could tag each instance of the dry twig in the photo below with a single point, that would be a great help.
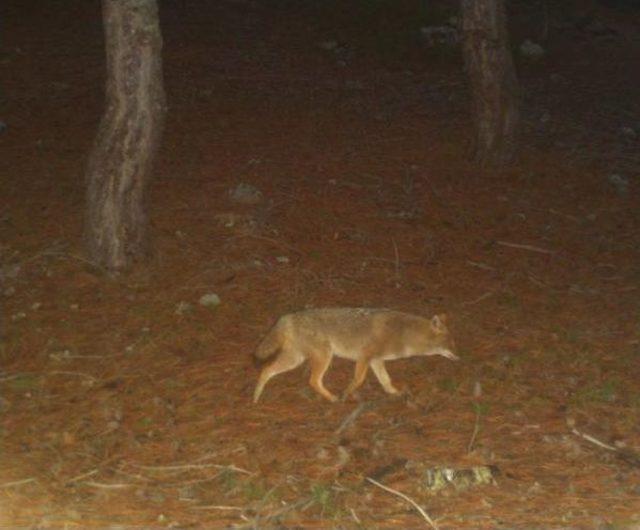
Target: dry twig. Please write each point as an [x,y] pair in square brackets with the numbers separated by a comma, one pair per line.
[217,507]
[102,485]
[14,483]
[352,416]
[481,265]
[396,262]
[189,467]
[525,247]
[83,476]
[476,428]
[413,503]
[76,374]
[479,299]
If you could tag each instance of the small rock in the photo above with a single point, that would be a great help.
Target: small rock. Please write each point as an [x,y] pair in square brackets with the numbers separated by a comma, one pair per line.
[113,425]
[183,308]
[629,132]
[446,35]
[5,404]
[282,259]
[620,183]
[531,49]
[343,456]
[235,220]
[328,45]
[60,355]
[10,272]
[210,300]
[245,194]
[74,307]
[18,316]
[35,306]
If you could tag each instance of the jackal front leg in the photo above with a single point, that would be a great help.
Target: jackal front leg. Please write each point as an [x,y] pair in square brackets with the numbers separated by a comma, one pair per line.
[377,365]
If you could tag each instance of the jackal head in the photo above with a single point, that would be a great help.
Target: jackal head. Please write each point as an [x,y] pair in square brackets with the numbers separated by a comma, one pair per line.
[441,342]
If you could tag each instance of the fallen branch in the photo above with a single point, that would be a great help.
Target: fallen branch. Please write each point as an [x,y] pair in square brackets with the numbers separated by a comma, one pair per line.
[189,467]
[628,456]
[593,440]
[408,499]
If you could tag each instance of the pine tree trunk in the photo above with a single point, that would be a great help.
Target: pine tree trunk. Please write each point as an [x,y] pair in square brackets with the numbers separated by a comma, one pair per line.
[120,162]
[494,85]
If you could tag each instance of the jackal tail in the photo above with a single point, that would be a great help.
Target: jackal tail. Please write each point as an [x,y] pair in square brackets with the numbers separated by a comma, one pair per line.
[270,345]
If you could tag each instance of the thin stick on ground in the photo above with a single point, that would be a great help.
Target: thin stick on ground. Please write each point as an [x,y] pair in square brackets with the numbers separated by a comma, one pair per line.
[15,483]
[75,374]
[481,265]
[627,455]
[476,428]
[102,485]
[83,476]
[593,440]
[520,246]
[189,467]
[479,299]
[351,417]
[396,261]
[218,507]
[413,503]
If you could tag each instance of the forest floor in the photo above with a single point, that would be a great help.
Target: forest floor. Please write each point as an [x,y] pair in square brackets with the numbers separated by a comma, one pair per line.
[126,403]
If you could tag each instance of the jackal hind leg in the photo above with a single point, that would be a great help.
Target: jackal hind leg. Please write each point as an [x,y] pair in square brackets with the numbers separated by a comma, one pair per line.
[285,361]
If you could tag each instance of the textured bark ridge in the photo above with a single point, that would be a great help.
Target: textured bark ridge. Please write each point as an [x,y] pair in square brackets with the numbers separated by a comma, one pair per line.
[494,85]
[120,162]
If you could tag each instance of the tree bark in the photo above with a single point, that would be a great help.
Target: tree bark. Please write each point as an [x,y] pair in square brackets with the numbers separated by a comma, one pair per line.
[120,162]
[494,85]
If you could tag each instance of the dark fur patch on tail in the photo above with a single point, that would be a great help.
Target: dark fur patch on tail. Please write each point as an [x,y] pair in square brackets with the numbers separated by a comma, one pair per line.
[269,346]
[261,361]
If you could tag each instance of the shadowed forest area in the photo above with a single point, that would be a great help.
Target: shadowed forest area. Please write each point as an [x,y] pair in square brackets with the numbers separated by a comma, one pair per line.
[317,154]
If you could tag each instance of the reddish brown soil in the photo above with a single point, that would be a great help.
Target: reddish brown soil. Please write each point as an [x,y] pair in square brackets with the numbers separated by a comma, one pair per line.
[119,411]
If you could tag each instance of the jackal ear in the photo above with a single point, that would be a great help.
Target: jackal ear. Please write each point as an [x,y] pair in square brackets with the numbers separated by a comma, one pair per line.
[438,323]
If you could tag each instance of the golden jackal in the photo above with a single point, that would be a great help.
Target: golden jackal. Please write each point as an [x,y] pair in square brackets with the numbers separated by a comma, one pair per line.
[365,335]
